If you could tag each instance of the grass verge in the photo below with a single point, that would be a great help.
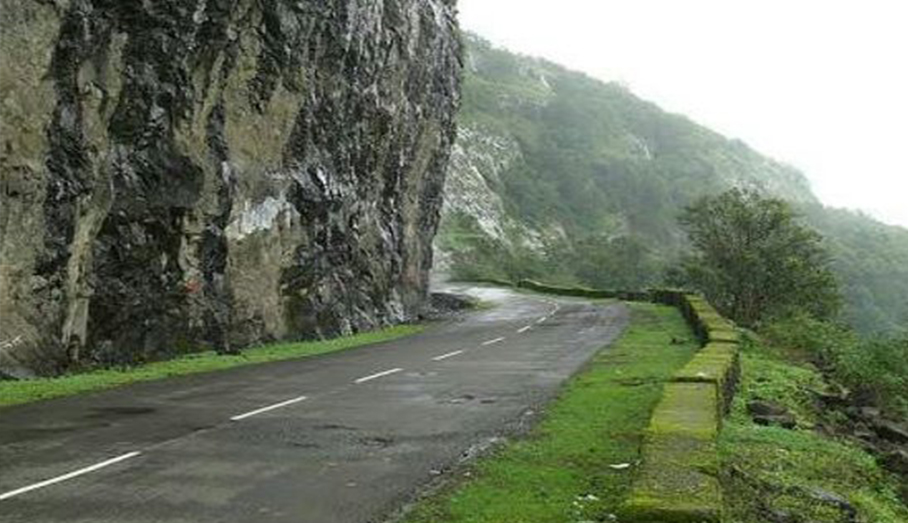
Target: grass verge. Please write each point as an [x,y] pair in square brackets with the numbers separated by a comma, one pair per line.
[561,470]
[775,474]
[17,392]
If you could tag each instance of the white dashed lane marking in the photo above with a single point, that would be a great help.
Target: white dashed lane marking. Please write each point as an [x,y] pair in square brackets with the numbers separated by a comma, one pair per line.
[71,475]
[377,375]
[493,342]
[266,409]
[448,355]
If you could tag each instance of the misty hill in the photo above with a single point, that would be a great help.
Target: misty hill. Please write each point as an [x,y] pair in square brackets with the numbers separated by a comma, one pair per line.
[560,176]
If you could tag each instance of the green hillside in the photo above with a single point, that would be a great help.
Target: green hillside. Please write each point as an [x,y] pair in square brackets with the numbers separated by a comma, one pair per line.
[561,176]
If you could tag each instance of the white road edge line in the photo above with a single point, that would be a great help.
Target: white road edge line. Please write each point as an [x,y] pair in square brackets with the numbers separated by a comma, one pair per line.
[376,376]
[266,409]
[448,355]
[542,319]
[69,476]
[492,342]
[521,331]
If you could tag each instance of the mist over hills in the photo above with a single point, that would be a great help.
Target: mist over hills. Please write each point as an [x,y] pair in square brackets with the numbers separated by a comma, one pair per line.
[560,176]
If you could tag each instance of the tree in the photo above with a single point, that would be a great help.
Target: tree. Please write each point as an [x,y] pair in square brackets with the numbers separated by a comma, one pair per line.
[753,259]
[622,263]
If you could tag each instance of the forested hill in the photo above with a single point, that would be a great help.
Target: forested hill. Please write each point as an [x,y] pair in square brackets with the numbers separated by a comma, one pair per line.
[560,176]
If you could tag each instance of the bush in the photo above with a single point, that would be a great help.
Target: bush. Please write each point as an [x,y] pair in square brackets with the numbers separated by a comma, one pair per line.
[876,369]
[802,336]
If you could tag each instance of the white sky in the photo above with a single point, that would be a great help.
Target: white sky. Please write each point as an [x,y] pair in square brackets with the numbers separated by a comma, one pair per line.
[822,85]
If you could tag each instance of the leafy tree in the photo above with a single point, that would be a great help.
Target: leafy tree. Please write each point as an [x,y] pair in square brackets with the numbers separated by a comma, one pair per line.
[754,260]
[623,263]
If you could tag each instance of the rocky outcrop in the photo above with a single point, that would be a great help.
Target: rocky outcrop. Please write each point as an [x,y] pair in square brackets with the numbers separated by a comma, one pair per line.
[184,174]
[768,413]
[474,208]
[477,162]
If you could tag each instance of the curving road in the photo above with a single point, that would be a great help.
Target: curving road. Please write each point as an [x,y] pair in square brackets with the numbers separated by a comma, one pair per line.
[345,437]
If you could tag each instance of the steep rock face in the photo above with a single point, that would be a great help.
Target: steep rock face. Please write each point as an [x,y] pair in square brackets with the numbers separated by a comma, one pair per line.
[192,173]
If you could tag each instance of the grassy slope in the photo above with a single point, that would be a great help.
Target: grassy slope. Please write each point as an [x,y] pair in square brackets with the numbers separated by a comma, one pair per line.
[16,392]
[774,469]
[561,472]
[615,171]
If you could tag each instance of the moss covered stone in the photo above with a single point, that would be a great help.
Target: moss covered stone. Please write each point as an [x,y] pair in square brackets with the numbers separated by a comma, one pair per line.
[677,480]
[579,292]
[724,335]
[717,364]
[686,409]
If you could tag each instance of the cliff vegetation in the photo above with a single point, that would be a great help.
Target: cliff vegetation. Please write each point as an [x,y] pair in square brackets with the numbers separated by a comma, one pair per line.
[560,177]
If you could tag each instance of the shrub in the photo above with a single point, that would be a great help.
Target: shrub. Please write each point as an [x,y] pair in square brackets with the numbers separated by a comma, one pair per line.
[875,369]
[878,369]
[803,336]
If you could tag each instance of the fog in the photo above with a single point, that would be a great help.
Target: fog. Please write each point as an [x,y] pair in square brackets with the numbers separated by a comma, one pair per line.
[821,85]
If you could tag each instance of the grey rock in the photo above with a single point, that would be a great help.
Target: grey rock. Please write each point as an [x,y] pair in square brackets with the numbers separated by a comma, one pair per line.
[774,515]
[835,500]
[765,408]
[786,421]
[831,399]
[869,412]
[11,374]
[826,496]
[447,302]
[890,430]
[175,178]
[861,431]
[13,371]
[897,461]
[768,413]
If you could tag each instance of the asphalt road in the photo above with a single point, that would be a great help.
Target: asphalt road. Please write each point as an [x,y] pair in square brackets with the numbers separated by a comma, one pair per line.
[345,437]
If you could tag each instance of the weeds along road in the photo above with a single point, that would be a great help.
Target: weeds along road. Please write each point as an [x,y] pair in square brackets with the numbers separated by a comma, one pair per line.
[344,437]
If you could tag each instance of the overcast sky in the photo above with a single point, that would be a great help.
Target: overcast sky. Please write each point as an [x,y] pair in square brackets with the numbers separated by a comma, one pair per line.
[822,85]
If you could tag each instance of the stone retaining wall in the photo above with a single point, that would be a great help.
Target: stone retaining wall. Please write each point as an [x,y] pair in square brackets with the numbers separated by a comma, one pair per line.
[678,477]
[677,480]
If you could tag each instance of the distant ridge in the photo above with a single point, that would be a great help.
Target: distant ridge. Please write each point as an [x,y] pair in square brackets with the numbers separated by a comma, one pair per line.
[561,176]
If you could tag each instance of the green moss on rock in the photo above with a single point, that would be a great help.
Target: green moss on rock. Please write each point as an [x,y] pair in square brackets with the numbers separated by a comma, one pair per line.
[579,292]
[677,480]
[724,335]
[717,364]
[687,409]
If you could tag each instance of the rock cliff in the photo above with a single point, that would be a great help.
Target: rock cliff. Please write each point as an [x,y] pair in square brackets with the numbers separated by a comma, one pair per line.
[184,174]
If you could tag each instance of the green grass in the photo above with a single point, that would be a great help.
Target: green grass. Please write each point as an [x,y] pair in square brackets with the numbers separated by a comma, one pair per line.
[17,392]
[774,469]
[560,471]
